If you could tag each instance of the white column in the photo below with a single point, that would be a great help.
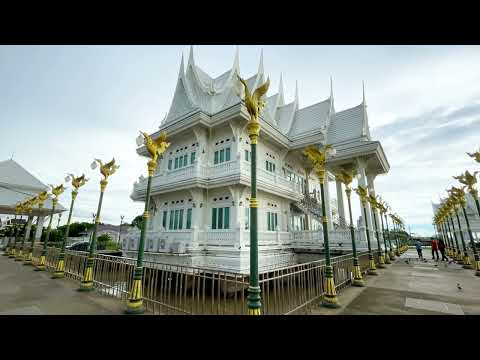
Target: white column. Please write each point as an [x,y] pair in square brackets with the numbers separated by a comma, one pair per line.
[362,181]
[327,204]
[38,231]
[371,191]
[340,205]
[28,228]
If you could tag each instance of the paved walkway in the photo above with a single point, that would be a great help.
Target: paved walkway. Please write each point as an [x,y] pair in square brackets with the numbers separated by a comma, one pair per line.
[413,288]
[27,292]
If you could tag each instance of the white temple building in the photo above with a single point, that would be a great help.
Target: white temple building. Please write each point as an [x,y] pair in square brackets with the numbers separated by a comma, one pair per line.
[199,212]
[18,185]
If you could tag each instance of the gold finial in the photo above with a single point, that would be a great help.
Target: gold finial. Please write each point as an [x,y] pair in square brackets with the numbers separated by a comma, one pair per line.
[468,180]
[107,169]
[77,182]
[155,149]
[318,158]
[57,190]
[363,193]
[254,104]
[475,155]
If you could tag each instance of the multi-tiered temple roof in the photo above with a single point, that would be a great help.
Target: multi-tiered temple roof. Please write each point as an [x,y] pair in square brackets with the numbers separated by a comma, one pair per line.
[197,91]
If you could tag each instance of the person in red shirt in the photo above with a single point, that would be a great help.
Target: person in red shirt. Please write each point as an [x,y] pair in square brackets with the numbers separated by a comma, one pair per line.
[434,249]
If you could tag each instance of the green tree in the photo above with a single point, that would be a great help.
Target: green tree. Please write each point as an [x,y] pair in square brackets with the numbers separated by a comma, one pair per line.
[137,221]
[102,241]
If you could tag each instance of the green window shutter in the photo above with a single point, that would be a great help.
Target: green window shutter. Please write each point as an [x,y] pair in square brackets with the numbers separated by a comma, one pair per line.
[247,218]
[214,218]
[170,164]
[220,218]
[246,155]
[276,222]
[215,158]
[189,218]
[268,221]
[185,160]
[226,221]
[227,154]
[176,163]
[175,224]
[164,220]
[192,157]
[273,167]
[170,225]
[222,156]
[180,220]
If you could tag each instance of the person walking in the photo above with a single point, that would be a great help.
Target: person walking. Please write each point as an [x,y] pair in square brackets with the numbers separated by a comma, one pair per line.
[418,246]
[434,249]
[441,247]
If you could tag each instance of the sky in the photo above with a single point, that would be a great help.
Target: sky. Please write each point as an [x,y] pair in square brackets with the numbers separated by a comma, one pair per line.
[63,106]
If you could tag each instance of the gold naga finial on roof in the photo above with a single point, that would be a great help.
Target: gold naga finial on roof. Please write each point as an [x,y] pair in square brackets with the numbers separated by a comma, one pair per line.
[475,155]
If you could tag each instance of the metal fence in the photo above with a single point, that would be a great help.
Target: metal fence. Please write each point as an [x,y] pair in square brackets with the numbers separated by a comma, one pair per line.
[176,289]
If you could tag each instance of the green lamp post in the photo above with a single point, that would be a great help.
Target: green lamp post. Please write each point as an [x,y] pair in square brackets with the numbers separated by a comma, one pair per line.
[254,104]
[27,207]
[8,233]
[449,209]
[363,194]
[318,158]
[456,203]
[56,192]
[106,170]
[155,149]
[40,200]
[13,249]
[470,180]
[380,209]
[459,195]
[373,204]
[346,178]
[383,207]
[29,253]
[77,182]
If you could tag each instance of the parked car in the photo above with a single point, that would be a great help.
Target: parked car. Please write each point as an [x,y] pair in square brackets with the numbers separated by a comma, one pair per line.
[84,246]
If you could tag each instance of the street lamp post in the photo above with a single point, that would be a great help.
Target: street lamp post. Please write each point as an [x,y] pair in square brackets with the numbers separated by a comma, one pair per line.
[29,253]
[381,210]
[346,178]
[383,207]
[120,230]
[318,158]
[155,150]
[56,192]
[373,205]
[106,170]
[459,197]
[28,207]
[76,183]
[8,232]
[363,194]
[470,180]
[450,205]
[254,104]
[13,249]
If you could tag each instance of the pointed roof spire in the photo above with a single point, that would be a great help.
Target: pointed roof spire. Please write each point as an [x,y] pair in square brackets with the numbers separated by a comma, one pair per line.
[236,60]
[331,87]
[280,90]
[296,94]
[260,65]
[191,61]
[363,90]
[182,68]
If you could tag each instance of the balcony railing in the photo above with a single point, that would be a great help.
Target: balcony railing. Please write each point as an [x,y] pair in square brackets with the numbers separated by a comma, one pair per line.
[200,171]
